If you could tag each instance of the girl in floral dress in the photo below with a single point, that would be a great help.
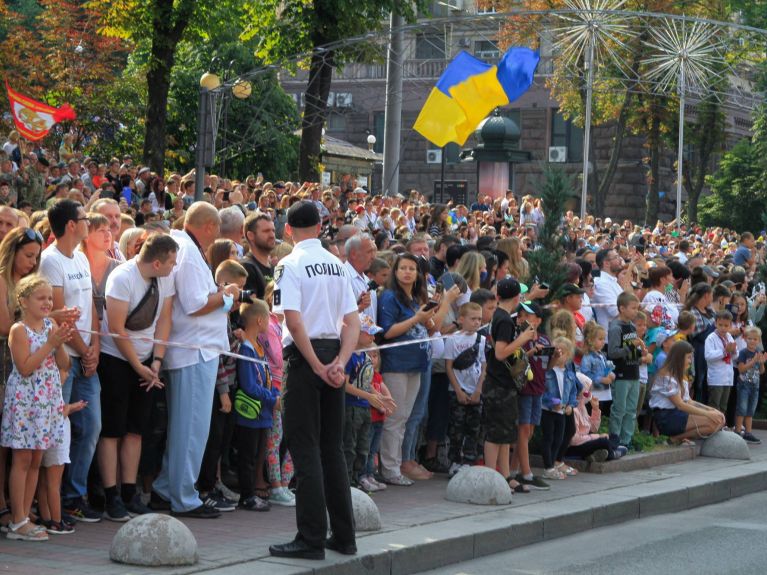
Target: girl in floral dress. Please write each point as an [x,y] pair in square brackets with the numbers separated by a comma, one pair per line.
[33,410]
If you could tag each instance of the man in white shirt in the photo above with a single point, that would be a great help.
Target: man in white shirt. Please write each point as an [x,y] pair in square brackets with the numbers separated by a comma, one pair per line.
[68,270]
[311,282]
[608,286]
[199,318]
[681,255]
[360,252]
[231,227]
[139,301]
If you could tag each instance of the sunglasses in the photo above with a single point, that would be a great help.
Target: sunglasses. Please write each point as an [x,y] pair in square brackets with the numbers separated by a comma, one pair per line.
[29,236]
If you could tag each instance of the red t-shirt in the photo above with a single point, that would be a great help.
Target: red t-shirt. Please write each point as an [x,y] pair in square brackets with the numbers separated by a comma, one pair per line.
[375,415]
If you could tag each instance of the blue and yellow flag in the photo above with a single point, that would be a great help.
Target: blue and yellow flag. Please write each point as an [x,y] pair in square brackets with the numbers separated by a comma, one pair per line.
[469,90]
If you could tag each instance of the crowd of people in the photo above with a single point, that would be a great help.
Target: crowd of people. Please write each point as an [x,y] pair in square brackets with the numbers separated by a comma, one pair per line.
[148,340]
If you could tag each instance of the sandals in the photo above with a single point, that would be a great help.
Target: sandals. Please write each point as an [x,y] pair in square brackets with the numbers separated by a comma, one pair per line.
[26,531]
[519,487]
[566,469]
[553,473]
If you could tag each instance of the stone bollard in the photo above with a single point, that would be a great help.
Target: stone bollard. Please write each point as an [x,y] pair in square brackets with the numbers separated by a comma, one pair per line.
[366,514]
[479,485]
[155,540]
[725,445]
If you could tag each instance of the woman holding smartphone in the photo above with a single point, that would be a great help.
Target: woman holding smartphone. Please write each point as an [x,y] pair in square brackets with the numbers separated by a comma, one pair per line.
[405,315]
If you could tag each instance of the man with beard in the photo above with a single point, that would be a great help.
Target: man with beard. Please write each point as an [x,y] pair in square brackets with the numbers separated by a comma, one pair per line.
[259,233]
[608,286]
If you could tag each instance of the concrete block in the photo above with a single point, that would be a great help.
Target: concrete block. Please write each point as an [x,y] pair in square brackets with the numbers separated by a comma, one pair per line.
[726,445]
[155,540]
[366,515]
[479,485]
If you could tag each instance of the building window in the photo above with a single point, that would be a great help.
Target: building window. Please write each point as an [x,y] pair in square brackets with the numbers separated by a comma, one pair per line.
[336,122]
[430,47]
[565,133]
[379,127]
[486,50]
[435,9]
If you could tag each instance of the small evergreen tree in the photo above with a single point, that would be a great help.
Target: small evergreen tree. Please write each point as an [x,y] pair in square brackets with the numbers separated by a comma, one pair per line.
[547,262]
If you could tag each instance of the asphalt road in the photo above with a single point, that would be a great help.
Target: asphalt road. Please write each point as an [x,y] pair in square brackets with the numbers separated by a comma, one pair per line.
[725,539]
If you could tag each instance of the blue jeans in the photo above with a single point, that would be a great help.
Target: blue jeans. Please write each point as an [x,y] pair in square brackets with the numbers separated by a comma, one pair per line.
[189,394]
[420,409]
[86,427]
[376,431]
[748,395]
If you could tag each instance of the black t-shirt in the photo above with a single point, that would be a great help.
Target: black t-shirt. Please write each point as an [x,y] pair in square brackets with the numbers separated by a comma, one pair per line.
[503,328]
[437,267]
[257,279]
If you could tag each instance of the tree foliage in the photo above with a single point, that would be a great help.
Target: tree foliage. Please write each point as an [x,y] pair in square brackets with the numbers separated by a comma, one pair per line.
[738,196]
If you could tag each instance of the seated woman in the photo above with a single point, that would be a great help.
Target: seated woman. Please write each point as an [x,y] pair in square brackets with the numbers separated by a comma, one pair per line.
[587,443]
[675,414]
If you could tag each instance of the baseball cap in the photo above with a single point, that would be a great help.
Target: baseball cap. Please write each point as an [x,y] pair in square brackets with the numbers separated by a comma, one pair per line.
[303,214]
[569,289]
[531,307]
[663,335]
[144,170]
[509,288]
[368,325]
[709,271]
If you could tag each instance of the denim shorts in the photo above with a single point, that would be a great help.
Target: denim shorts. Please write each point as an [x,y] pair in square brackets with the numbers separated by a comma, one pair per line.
[748,395]
[529,409]
[670,421]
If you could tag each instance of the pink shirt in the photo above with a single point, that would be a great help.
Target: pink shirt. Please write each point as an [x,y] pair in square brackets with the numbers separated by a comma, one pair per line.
[272,342]
[585,426]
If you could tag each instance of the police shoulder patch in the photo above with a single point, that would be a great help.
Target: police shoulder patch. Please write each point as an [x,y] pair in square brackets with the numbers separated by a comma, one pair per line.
[278,273]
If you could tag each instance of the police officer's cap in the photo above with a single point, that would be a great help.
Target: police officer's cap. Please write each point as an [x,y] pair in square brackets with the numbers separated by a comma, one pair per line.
[303,214]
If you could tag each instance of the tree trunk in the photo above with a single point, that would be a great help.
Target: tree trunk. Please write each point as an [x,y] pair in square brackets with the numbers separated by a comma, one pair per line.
[653,173]
[168,27]
[315,109]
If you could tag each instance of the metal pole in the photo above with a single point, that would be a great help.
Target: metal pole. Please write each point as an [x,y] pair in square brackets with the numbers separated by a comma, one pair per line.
[393,110]
[199,167]
[442,175]
[680,150]
[587,126]
[223,138]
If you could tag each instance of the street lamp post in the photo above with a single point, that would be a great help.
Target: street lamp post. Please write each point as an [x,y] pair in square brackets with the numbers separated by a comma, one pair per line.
[208,82]
[371,144]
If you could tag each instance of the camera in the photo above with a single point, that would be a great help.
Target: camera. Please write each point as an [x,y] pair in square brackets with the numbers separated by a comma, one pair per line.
[245,296]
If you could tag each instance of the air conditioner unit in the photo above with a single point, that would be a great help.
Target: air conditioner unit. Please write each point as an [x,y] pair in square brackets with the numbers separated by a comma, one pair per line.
[488,54]
[331,99]
[343,100]
[557,154]
[433,156]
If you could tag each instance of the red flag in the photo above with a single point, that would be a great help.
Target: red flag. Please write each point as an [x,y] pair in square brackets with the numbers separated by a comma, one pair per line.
[34,119]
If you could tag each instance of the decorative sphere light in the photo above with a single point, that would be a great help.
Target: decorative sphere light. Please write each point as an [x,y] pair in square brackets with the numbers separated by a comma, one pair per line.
[371,139]
[241,89]
[209,81]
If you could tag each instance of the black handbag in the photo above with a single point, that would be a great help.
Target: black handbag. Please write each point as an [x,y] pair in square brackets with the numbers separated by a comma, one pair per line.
[468,356]
[145,311]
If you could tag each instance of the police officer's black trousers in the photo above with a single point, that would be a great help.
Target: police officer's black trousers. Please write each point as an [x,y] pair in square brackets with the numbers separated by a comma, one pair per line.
[313,419]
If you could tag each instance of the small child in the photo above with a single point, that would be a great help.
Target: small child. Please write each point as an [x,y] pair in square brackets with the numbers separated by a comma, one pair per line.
[751,366]
[222,418]
[559,400]
[596,366]
[377,417]
[720,353]
[626,349]
[379,273]
[279,469]
[33,410]
[664,339]
[360,397]
[641,324]
[529,398]
[685,326]
[465,367]
[255,387]
[587,443]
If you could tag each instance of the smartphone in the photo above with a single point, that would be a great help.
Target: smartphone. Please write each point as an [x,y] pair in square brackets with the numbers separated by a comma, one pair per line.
[543,285]
[431,305]
[439,289]
[547,351]
[447,281]
[524,326]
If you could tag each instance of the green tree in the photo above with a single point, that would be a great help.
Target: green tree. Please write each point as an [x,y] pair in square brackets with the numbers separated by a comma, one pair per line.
[739,187]
[289,27]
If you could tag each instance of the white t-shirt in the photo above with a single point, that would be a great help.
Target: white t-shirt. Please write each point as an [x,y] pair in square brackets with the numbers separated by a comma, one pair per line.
[126,283]
[74,276]
[314,282]
[720,364]
[454,345]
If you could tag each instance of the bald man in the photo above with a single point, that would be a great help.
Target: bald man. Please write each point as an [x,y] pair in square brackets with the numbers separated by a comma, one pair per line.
[9,219]
[200,312]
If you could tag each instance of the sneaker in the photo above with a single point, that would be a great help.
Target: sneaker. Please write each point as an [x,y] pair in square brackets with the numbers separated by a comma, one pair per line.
[366,485]
[454,469]
[136,506]
[81,511]
[218,503]
[598,456]
[281,496]
[254,503]
[751,438]
[400,480]
[553,473]
[221,497]
[204,511]
[58,528]
[68,519]
[534,483]
[115,510]
[622,450]
[228,493]
[434,465]
[379,484]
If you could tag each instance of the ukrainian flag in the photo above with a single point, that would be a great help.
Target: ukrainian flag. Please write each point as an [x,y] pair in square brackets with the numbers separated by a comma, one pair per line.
[469,90]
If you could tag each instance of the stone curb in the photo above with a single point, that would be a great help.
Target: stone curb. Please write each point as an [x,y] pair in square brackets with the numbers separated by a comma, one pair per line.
[435,545]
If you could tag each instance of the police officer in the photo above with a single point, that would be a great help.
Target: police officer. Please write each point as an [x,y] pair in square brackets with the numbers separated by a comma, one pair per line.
[315,295]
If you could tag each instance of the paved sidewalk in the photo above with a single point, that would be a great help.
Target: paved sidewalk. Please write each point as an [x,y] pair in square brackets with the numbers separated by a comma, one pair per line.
[421,530]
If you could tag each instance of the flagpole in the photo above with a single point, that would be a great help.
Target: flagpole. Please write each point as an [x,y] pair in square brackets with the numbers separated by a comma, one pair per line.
[587,126]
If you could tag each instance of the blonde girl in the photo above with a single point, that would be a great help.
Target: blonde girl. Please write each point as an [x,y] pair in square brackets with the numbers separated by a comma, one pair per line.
[594,364]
